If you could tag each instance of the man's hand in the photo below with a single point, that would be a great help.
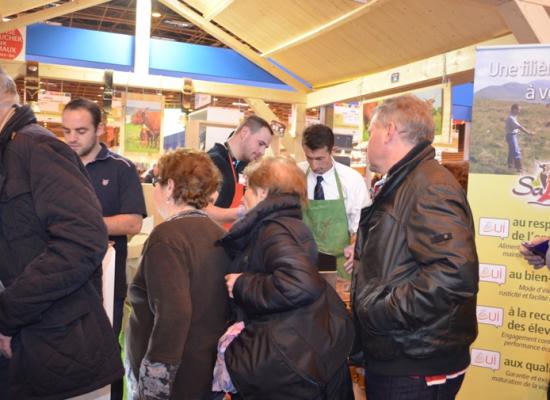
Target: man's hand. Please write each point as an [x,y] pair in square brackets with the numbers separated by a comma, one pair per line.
[533,259]
[348,254]
[5,346]
[230,280]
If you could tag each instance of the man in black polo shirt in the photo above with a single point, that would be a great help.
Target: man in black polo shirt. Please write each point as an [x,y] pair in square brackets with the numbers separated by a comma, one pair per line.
[117,186]
[246,144]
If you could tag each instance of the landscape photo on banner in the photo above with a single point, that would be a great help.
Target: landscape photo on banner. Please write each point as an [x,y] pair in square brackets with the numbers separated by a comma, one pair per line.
[510,202]
[433,95]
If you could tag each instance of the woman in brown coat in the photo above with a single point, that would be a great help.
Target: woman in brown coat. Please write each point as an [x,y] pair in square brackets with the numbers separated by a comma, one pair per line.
[179,305]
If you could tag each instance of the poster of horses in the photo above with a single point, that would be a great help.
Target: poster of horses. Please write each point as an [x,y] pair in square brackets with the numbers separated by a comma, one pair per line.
[143,124]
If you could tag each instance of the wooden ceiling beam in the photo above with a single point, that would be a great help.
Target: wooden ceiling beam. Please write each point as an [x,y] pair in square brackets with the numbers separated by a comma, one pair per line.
[15,69]
[497,3]
[262,110]
[432,69]
[216,9]
[489,2]
[544,3]
[527,19]
[46,14]
[86,16]
[10,7]
[234,44]
[325,28]
[129,26]
[155,82]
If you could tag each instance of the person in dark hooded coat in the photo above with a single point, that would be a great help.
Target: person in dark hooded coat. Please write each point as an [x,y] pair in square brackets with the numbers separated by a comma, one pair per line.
[297,333]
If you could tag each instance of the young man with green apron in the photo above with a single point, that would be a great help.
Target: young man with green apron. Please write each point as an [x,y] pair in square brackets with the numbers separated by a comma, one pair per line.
[328,221]
[336,194]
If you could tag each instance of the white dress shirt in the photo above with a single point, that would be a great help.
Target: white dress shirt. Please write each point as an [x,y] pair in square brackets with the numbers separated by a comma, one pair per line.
[354,189]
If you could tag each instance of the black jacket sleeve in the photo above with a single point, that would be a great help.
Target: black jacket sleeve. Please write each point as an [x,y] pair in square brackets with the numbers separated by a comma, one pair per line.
[289,279]
[66,205]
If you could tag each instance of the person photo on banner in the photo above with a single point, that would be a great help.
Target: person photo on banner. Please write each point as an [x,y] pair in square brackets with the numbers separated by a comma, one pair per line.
[513,129]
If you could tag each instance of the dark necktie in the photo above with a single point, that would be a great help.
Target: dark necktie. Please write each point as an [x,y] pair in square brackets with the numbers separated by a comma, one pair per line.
[318,193]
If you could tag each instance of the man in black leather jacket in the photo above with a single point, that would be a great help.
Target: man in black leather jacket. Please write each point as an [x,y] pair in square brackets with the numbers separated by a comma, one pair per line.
[414,289]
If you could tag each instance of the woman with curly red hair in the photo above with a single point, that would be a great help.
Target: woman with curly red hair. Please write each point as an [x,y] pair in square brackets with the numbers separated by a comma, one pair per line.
[179,305]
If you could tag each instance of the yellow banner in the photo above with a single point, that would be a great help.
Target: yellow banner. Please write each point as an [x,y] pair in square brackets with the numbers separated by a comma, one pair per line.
[509,192]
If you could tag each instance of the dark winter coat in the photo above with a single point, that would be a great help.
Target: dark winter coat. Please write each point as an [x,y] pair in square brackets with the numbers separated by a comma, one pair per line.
[414,292]
[52,241]
[298,334]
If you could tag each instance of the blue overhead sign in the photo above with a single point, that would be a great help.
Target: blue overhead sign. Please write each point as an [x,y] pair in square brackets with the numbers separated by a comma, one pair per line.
[80,47]
[105,50]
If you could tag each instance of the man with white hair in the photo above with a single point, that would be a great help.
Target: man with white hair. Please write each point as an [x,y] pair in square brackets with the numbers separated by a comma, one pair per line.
[55,338]
[414,289]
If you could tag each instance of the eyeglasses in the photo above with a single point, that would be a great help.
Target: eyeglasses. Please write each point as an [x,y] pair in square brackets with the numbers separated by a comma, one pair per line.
[155,180]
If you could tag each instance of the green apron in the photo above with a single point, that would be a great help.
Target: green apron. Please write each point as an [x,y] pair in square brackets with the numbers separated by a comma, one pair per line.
[328,221]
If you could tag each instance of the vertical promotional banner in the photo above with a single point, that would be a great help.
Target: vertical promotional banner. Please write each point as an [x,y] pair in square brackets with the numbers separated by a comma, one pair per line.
[509,192]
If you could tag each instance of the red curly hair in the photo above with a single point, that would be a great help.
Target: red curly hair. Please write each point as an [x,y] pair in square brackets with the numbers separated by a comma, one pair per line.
[194,174]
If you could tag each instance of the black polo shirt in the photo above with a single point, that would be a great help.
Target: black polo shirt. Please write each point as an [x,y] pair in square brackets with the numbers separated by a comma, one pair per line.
[220,156]
[117,186]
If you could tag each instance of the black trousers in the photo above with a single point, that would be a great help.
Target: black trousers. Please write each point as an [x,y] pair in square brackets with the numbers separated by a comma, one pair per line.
[326,262]
[4,363]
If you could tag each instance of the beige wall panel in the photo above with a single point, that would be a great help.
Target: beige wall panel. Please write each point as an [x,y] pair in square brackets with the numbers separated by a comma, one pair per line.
[458,64]
[530,22]
[202,5]
[46,14]
[267,23]
[391,33]
[9,7]
[394,34]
